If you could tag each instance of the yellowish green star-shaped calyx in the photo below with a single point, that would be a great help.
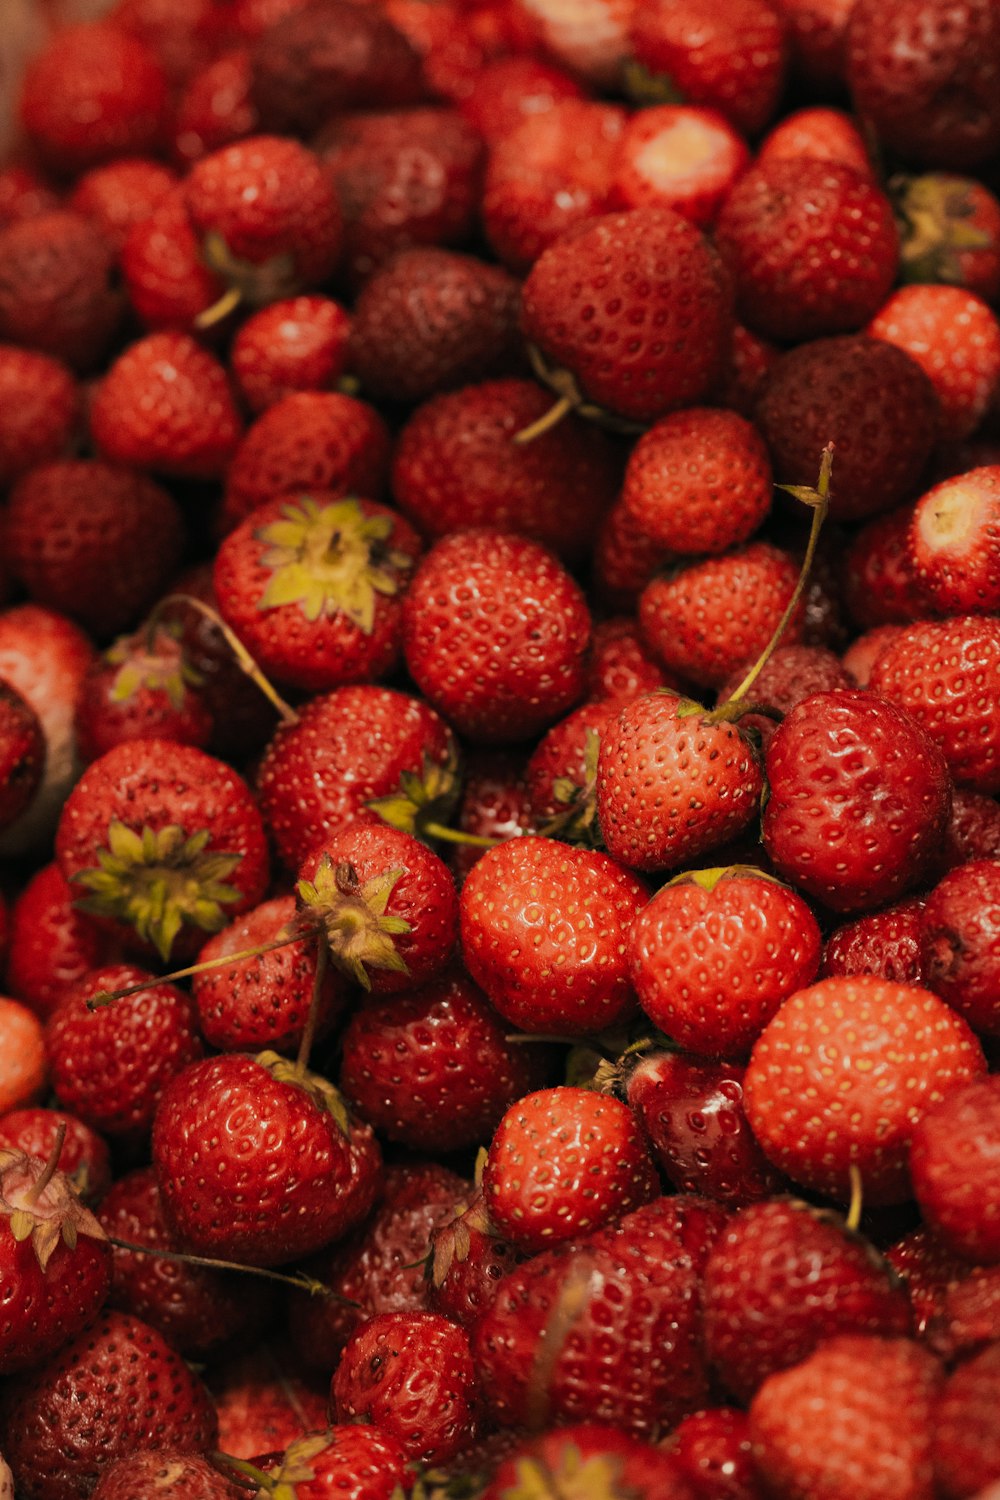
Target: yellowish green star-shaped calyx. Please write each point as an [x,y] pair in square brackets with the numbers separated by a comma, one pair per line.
[352,917]
[577,1478]
[158,666]
[423,798]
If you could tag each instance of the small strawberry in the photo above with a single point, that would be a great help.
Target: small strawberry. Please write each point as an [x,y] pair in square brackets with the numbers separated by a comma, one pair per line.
[494,805]
[751,360]
[58,290]
[39,411]
[25,192]
[974,831]
[817,130]
[954,539]
[512,89]
[561,774]
[606,1462]
[360,1462]
[22,754]
[878,579]
[121,193]
[843,1073]
[959,942]
[467,1261]
[300,344]
[84,1159]
[265,1402]
[712,1450]
[953,1160]
[544,929]
[885,943]
[51,943]
[141,688]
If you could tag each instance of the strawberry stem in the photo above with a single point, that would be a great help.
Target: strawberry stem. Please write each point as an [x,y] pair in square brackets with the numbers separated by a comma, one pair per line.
[455,836]
[247,1470]
[297,1279]
[33,1194]
[309,1030]
[549,419]
[108,997]
[854,1211]
[243,658]
[227,303]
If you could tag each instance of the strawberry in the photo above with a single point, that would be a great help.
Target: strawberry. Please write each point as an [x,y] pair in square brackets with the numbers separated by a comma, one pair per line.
[954,538]
[92,540]
[974,831]
[751,360]
[121,193]
[874,830]
[431,319]
[312,586]
[92,94]
[311,440]
[215,107]
[467,1260]
[512,89]
[550,173]
[543,929]
[621,666]
[55,1258]
[58,290]
[842,1074]
[162,841]
[951,232]
[25,191]
[879,583]
[790,674]
[168,282]
[672,783]
[953,1160]
[262,1001]
[169,1475]
[433,1068]
[456,465]
[715,953]
[264,1402]
[955,336]
[84,1159]
[182,33]
[115,1390]
[411,1375]
[166,405]
[347,748]
[141,688]
[927,1269]
[404,177]
[607,1462]
[563,1162]
[792,234]
[637,354]
[495,632]
[362,1462]
[969,1316]
[862,654]
[730,57]
[39,411]
[698,481]
[959,938]
[712,1450]
[851,1422]
[682,157]
[946,675]
[494,805]
[966,1453]
[296,345]
[906,65]
[591,39]
[22,754]
[886,943]
[286,1175]
[783,1278]
[877,408]
[326,58]
[817,131]
[562,772]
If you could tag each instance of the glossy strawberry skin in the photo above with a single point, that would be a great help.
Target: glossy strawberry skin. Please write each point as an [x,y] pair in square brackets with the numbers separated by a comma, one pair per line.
[959,938]
[953,1160]
[886,943]
[543,930]
[365,1462]
[874,829]
[299,344]
[112,709]
[712,1450]
[170,1475]
[84,1157]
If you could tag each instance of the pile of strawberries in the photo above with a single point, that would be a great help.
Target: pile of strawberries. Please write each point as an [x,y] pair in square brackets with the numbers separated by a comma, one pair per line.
[500,752]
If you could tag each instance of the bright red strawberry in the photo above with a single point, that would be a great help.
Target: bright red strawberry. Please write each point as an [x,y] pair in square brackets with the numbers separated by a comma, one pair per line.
[946,675]
[411,1375]
[812,248]
[169,1475]
[495,633]
[115,1390]
[671,783]
[852,1422]
[168,282]
[264,1401]
[954,543]
[56,1262]
[966,1451]
[358,1462]
[544,928]
[287,1174]
[346,749]
[959,942]
[705,619]
[122,193]
[951,232]
[955,336]
[607,1462]
[842,1075]
[433,1068]
[561,773]
[885,943]
[92,94]
[83,1155]
[716,952]
[817,130]
[698,481]
[142,687]
[310,441]
[564,1162]
[638,354]
[512,89]
[783,1278]
[467,1261]
[296,345]
[908,63]
[873,402]
[954,1162]
[22,754]
[58,289]
[162,842]
[456,466]
[51,944]
[166,405]
[878,581]
[712,1450]
[859,800]
[860,657]
[39,411]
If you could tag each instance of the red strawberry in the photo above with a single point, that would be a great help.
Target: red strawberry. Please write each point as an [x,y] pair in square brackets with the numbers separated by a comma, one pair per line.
[885,943]
[817,131]
[495,632]
[257,1161]
[790,674]
[946,675]
[512,89]
[116,1390]
[122,193]
[168,282]
[852,1422]
[715,953]
[39,411]
[682,157]
[712,1450]
[561,774]
[163,842]
[312,440]
[966,1452]
[624,560]
[24,192]
[842,1075]
[433,1068]
[639,354]
[468,1259]
[877,408]
[58,292]
[959,942]
[544,927]
[974,831]
[609,1463]
[362,1462]
[879,584]
[83,1155]
[296,345]
[215,108]
[860,657]
[564,1162]
[92,94]
[264,1403]
[169,1475]
[927,1269]
[56,1262]
[954,538]
[620,664]
[906,65]
[51,943]
[141,688]
[969,1315]
[811,246]
[590,39]
[22,754]
[494,805]
[954,1164]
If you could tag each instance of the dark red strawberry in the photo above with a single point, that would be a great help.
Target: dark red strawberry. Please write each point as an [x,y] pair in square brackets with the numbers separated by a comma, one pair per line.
[168,1475]
[974,831]
[959,942]
[215,108]
[22,754]
[142,687]
[300,344]
[58,290]
[954,1165]
[39,410]
[624,560]
[621,666]
[790,674]
[494,805]
[52,944]
[609,1463]
[879,583]
[83,1154]
[511,89]
[954,543]
[712,1450]
[927,1269]
[885,943]
[25,192]
[467,1261]
[966,1451]
[121,193]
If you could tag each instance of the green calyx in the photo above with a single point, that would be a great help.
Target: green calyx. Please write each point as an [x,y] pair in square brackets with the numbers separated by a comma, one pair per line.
[574,1478]
[934,213]
[576,822]
[424,800]
[352,918]
[157,665]
[159,880]
[319,1089]
[330,559]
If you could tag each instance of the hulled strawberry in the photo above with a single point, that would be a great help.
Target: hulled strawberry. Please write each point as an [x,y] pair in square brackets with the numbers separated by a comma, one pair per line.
[163,842]
[682,157]
[954,539]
